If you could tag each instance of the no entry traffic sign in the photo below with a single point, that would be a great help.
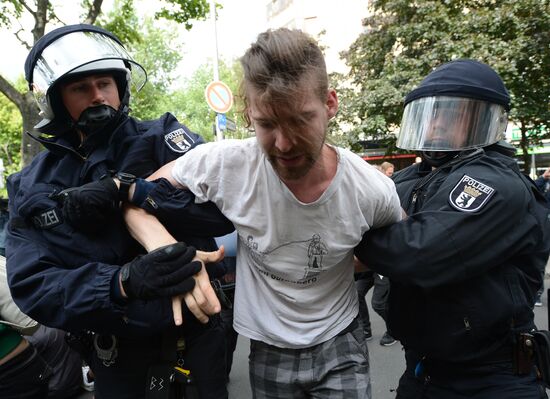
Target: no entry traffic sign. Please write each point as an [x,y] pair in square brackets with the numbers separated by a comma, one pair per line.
[218,96]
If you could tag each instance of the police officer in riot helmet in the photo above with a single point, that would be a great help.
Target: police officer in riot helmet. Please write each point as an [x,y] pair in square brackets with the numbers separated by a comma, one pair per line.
[446,115]
[71,264]
[464,264]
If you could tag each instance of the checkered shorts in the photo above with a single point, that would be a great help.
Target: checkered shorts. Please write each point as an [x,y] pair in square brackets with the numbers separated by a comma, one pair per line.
[337,368]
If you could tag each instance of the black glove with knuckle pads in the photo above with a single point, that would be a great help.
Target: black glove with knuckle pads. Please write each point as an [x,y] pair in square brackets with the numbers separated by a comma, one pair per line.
[165,272]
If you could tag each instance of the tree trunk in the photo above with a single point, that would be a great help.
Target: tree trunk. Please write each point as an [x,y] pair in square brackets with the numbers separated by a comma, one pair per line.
[29,112]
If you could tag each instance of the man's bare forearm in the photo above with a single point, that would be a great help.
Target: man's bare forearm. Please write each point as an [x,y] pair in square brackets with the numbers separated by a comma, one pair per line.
[166,172]
[146,228]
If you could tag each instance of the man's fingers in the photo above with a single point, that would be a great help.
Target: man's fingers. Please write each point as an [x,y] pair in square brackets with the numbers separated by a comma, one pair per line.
[177,310]
[205,296]
[202,300]
[194,308]
[211,257]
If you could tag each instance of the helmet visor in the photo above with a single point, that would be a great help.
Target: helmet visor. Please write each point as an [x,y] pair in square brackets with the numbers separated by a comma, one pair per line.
[443,123]
[85,47]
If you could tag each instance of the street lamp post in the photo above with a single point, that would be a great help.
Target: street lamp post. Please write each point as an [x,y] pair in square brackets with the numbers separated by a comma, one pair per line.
[219,132]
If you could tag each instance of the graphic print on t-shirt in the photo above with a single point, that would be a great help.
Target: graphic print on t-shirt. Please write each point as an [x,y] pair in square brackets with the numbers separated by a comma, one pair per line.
[315,250]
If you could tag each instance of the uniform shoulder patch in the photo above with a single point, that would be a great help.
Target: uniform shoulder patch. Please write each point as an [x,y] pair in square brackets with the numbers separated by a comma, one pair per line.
[470,195]
[179,140]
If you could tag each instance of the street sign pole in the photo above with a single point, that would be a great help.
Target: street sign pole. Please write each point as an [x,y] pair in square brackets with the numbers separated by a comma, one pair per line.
[219,132]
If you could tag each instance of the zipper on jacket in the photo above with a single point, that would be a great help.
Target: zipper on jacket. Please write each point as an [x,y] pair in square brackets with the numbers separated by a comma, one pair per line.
[151,202]
[467,324]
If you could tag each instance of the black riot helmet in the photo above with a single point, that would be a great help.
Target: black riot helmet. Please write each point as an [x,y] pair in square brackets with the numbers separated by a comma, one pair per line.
[461,105]
[75,51]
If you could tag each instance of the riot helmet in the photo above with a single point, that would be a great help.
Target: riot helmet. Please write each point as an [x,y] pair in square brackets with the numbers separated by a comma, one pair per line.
[75,51]
[460,105]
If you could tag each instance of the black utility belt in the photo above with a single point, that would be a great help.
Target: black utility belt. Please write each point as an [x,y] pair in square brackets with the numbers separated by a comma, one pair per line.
[531,351]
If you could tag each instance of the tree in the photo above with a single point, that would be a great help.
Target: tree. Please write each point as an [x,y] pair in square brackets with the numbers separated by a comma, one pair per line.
[43,14]
[404,40]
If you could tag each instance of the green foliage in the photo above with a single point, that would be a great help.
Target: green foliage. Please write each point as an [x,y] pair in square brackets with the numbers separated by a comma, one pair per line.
[404,40]
[9,9]
[183,11]
[156,53]
[123,22]
[10,135]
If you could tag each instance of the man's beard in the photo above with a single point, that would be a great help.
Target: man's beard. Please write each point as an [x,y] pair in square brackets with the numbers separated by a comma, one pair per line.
[292,173]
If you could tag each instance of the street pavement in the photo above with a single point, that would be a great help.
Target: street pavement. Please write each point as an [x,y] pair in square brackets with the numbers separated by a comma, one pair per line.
[387,363]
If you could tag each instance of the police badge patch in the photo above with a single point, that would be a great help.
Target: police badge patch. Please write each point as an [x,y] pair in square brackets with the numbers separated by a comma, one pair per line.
[179,140]
[469,195]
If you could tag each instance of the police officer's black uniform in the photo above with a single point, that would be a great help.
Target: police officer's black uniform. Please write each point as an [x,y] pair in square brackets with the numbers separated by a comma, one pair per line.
[64,277]
[464,272]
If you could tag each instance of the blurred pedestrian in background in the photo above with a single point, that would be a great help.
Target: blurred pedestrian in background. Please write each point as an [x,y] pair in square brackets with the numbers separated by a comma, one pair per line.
[387,168]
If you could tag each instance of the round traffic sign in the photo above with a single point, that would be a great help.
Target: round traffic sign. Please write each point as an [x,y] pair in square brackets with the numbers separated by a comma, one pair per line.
[218,96]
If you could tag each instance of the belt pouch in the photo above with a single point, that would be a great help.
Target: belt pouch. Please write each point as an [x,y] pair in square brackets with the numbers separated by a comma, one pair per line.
[542,355]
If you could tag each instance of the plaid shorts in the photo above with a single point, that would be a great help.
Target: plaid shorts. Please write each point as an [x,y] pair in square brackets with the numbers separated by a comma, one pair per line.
[337,368]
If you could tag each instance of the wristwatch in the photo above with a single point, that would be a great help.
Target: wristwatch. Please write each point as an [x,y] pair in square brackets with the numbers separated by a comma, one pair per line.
[126,180]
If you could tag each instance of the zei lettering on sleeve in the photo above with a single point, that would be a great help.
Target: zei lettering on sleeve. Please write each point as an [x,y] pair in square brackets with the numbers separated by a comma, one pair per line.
[469,195]
[47,219]
[179,140]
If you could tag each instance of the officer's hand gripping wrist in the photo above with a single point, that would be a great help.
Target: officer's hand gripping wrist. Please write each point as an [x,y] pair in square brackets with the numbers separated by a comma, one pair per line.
[165,272]
[90,206]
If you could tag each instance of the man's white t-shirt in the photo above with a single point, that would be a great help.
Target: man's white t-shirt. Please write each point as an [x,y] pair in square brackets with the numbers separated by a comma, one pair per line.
[294,280]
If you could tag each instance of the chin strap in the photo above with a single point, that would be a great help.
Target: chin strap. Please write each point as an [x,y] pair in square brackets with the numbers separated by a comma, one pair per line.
[95,119]
[438,158]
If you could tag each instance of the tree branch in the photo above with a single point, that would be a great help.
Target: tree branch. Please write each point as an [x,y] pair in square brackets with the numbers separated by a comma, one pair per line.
[93,12]
[30,10]
[11,92]
[21,40]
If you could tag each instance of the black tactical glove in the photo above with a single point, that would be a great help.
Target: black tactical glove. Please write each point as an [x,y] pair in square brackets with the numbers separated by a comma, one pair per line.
[90,207]
[167,271]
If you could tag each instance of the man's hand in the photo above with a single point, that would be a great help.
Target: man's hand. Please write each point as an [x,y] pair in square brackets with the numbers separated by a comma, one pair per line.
[89,207]
[202,300]
[165,272]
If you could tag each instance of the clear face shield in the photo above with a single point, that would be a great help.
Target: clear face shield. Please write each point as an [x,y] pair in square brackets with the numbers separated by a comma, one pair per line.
[443,123]
[76,50]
